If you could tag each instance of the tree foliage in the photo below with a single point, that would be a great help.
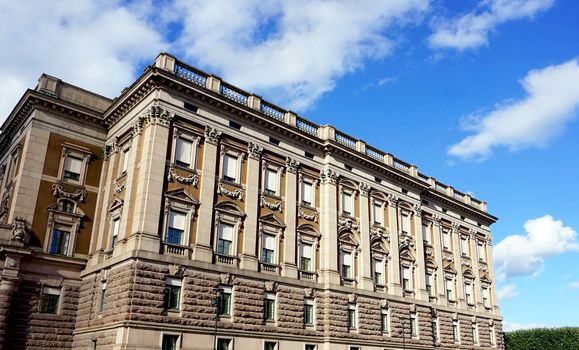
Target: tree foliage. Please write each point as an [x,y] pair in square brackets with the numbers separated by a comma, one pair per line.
[543,339]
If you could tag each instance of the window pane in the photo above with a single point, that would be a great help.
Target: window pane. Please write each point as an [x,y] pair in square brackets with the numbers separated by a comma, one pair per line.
[183,152]
[307,193]
[347,204]
[229,168]
[269,242]
[125,160]
[226,232]
[223,344]
[405,223]
[72,165]
[177,220]
[59,241]
[270,181]
[170,342]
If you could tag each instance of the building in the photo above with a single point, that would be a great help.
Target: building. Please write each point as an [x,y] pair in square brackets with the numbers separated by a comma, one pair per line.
[130,223]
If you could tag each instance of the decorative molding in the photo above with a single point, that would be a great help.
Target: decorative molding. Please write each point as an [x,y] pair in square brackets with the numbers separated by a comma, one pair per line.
[328,176]
[310,292]
[212,135]
[429,251]
[292,165]
[58,191]
[19,231]
[172,176]
[118,188]
[311,217]
[406,242]
[483,268]
[385,304]
[237,194]
[417,210]
[156,115]
[110,147]
[254,150]
[466,264]
[436,219]
[348,224]
[226,278]
[270,286]
[364,189]
[380,231]
[276,206]
[393,200]
[352,298]
[447,258]
[177,270]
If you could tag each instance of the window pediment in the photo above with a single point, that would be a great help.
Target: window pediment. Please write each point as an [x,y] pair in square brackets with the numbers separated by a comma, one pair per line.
[230,208]
[309,230]
[272,220]
[348,238]
[182,195]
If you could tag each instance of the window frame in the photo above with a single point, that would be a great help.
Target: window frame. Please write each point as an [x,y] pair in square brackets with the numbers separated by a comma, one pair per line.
[226,290]
[352,316]
[172,284]
[229,217]
[446,238]
[102,297]
[178,340]
[414,325]
[427,232]
[188,136]
[456,331]
[78,152]
[313,182]
[310,303]
[274,342]
[229,345]
[52,291]
[343,252]
[238,156]
[405,219]
[448,281]
[464,245]
[384,321]
[277,170]
[346,192]
[381,205]
[469,296]
[269,298]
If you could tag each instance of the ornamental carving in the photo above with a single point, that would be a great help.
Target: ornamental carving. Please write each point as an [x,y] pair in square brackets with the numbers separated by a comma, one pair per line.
[275,206]
[429,251]
[110,147]
[254,150]
[436,219]
[364,189]
[19,231]
[58,192]
[406,242]
[292,165]
[466,264]
[310,292]
[447,258]
[226,278]
[237,194]
[379,231]
[212,135]
[119,188]
[176,270]
[393,200]
[328,176]
[308,217]
[156,115]
[352,298]
[348,224]
[187,180]
[483,268]
[417,210]
[270,286]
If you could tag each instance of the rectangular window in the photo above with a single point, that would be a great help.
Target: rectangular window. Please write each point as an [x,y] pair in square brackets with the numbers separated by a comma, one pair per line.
[269,307]
[464,246]
[413,325]
[115,235]
[347,204]
[125,160]
[176,228]
[307,194]
[486,297]
[72,168]
[435,329]
[225,301]
[59,239]
[384,321]
[172,293]
[446,239]
[379,272]
[405,223]
[170,342]
[223,344]
[429,284]
[306,257]
[352,316]
[310,347]
[481,251]
[225,240]
[102,295]
[270,345]
[455,331]
[378,214]
[49,300]
[474,334]
[184,153]
[230,168]
[406,279]
[347,265]
[268,249]
[309,312]
[426,237]
[449,285]
[468,290]
[493,336]
[271,182]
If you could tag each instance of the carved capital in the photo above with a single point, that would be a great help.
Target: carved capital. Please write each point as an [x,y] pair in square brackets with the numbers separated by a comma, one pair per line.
[417,210]
[364,189]
[328,176]
[393,200]
[292,165]
[254,150]
[212,135]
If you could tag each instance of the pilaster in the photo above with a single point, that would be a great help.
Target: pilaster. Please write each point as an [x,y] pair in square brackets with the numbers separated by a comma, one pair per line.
[475,269]
[329,227]
[249,244]
[437,242]
[455,234]
[365,261]
[493,287]
[422,293]
[289,265]
[394,285]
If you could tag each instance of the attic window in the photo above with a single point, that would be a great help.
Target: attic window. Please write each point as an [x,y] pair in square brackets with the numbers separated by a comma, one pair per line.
[190,107]
[234,125]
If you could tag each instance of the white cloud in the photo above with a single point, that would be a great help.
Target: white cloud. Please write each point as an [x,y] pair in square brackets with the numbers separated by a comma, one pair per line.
[552,101]
[574,285]
[471,30]
[293,50]
[518,255]
[94,44]
[514,326]
[507,292]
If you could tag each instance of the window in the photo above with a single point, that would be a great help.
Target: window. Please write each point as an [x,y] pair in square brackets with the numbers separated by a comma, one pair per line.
[307,194]
[170,342]
[384,321]
[115,233]
[449,286]
[434,325]
[354,348]
[72,168]
[481,251]
[59,239]
[426,236]
[225,240]
[413,325]
[172,293]
[269,307]
[306,257]
[184,153]
[309,312]
[406,279]
[230,170]
[270,345]
[493,336]
[486,297]
[405,223]
[464,246]
[271,182]
[352,316]
[347,204]
[176,228]
[468,293]
[49,300]
[125,161]
[310,347]
[66,206]
[429,284]
[378,272]
[455,331]
[378,214]
[223,344]
[268,249]
[446,239]
[102,295]
[347,265]
[93,344]
[225,301]
[474,333]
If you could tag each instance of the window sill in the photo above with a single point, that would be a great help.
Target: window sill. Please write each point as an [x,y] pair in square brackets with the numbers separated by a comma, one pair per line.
[232,182]
[272,195]
[182,167]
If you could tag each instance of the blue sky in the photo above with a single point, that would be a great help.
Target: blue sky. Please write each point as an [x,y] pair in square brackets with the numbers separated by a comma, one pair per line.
[482,95]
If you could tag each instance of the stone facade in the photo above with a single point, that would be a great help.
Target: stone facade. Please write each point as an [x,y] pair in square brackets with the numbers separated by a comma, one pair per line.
[124,223]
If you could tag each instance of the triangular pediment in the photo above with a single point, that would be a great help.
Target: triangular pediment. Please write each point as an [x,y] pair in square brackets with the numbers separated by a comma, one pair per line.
[485,279]
[379,245]
[271,219]
[430,263]
[116,204]
[406,254]
[450,268]
[348,238]
[183,195]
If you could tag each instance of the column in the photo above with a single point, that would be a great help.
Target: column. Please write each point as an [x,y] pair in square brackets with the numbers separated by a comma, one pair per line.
[475,269]
[329,227]
[455,234]
[421,292]
[202,245]
[289,265]
[437,242]
[249,244]
[365,257]
[394,285]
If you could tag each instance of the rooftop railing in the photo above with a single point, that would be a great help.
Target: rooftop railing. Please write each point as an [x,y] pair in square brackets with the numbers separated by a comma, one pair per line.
[233,93]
